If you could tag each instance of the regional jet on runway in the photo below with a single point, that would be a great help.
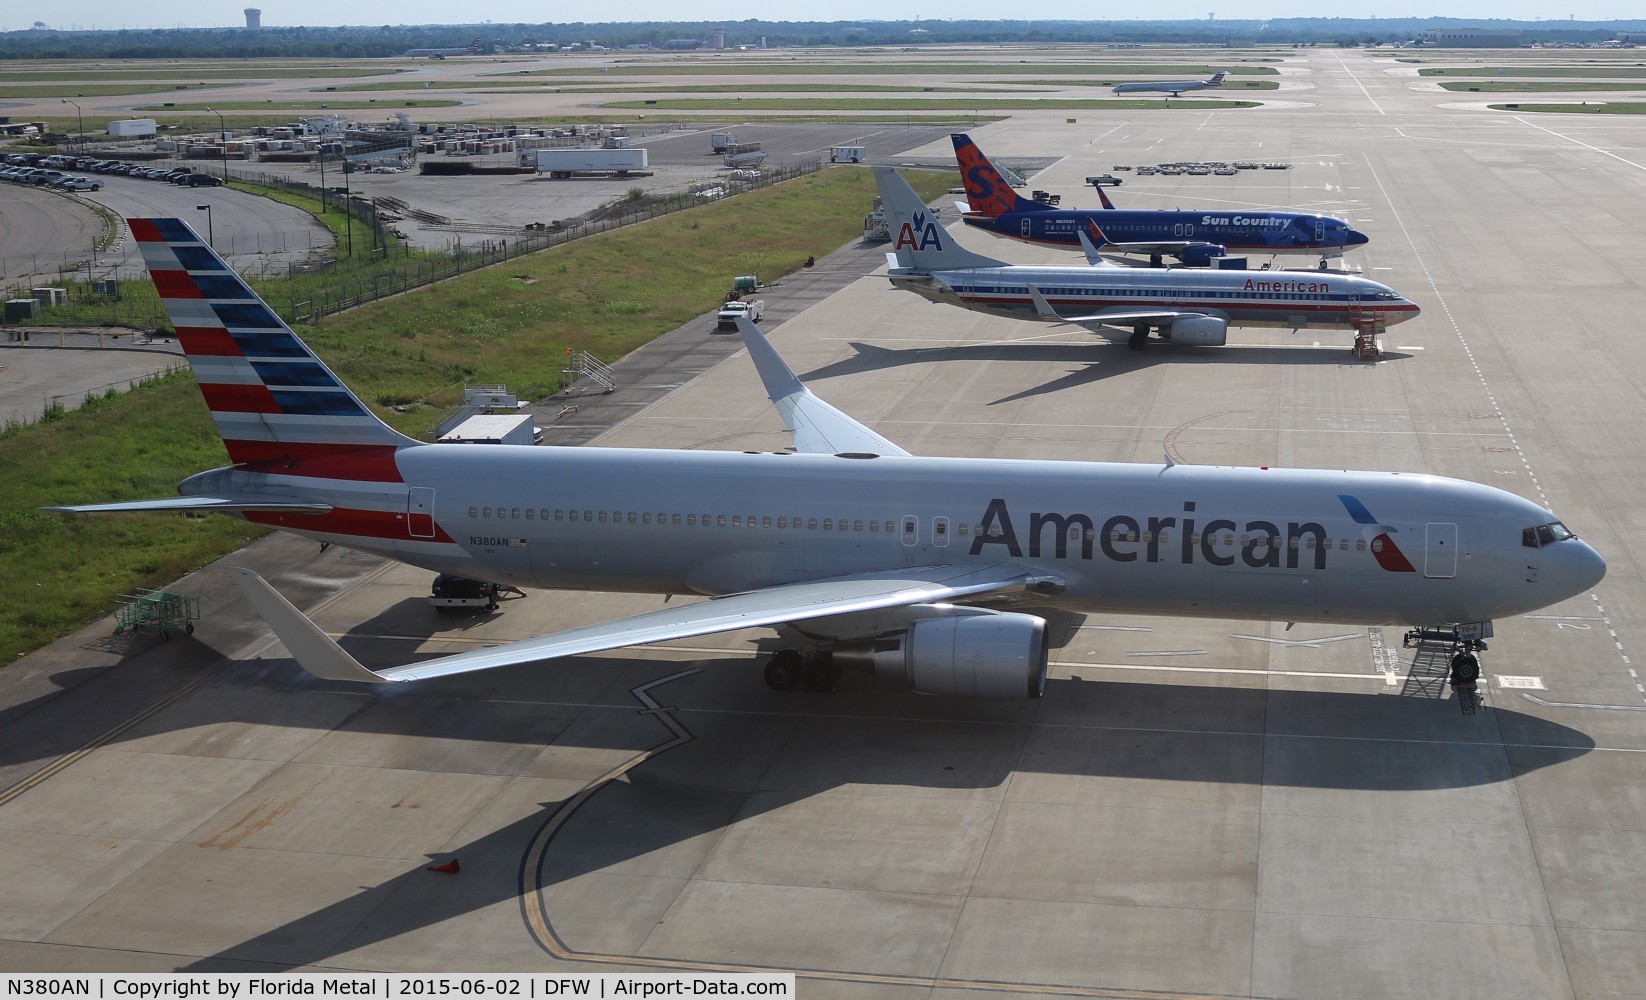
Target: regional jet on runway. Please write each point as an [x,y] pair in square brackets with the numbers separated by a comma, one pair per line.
[952,575]
[1196,238]
[1192,306]
[1174,88]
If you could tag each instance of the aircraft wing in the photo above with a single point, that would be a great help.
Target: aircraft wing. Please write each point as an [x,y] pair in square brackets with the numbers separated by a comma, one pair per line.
[320,655]
[1170,248]
[818,428]
[1044,310]
[219,504]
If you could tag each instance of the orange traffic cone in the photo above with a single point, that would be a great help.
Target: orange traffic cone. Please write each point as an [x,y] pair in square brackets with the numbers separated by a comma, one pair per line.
[450,868]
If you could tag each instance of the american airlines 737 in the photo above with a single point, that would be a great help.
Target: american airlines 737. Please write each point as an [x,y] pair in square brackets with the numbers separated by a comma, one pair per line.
[954,575]
[1189,306]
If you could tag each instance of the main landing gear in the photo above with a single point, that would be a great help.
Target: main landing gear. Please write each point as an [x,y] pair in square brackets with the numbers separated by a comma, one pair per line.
[1139,337]
[788,667]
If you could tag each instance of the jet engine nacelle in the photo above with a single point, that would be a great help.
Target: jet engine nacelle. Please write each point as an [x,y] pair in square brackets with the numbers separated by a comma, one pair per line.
[1202,256]
[1199,331]
[970,653]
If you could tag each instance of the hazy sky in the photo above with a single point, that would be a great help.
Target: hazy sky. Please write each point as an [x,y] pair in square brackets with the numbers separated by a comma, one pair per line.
[16,14]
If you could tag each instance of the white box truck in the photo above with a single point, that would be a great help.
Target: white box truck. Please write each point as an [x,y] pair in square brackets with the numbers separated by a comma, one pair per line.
[132,128]
[566,162]
[510,428]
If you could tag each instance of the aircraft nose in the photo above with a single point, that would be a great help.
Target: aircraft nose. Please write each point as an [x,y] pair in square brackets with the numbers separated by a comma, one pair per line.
[1356,238]
[1591,568]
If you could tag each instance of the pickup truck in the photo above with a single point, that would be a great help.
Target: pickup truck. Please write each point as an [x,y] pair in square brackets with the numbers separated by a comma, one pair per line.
[752,308]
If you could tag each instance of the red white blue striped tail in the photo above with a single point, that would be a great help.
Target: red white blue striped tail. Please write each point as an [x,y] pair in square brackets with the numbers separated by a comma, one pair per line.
[277,406]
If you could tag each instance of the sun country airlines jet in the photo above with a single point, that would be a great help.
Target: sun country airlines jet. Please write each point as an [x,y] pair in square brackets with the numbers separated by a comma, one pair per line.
[1173,88]
[1191,306]
[951,574]
[1195,238]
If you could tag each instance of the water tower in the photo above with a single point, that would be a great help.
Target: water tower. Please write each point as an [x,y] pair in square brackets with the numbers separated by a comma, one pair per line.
[254,17]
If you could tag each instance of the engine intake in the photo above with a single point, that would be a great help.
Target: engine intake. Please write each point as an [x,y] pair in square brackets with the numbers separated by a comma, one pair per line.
[971,653]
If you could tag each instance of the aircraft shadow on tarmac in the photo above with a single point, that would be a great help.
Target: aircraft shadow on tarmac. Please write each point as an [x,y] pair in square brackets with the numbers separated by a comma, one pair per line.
[753,751]
[1101,359]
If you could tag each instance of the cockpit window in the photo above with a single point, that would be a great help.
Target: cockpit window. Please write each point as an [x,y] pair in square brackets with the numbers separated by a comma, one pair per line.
[1540,535]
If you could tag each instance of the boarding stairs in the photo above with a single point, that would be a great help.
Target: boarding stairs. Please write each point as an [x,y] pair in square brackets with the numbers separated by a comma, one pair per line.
[585,373]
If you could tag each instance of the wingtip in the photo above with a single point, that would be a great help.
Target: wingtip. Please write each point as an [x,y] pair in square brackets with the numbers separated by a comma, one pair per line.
[314,650]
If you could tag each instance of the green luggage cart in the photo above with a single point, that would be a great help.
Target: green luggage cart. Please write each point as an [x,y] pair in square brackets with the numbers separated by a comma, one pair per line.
[156,610]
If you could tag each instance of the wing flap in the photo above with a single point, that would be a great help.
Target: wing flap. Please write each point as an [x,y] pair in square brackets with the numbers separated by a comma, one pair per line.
[320,655]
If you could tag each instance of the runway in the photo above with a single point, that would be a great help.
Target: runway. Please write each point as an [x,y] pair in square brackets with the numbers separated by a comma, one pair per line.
[1196,807]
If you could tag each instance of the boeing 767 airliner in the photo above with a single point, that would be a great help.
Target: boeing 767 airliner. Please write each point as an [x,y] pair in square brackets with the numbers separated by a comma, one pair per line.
[953,574]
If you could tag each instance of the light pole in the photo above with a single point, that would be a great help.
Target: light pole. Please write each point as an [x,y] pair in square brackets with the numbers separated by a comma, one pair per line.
[81,121]
[222,143]
[211,234]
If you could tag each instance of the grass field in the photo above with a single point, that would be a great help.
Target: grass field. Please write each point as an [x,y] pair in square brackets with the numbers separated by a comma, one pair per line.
[1597,108]
[18,93]
[1551,72]
[1124,70]
[316,105]
[170,71]
[58,571]
[556,86]
[509,324]
[1533,86]
[897,106]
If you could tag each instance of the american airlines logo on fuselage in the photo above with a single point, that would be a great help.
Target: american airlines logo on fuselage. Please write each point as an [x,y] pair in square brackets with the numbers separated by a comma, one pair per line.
[1220,541]
[1286,286]
[919,234]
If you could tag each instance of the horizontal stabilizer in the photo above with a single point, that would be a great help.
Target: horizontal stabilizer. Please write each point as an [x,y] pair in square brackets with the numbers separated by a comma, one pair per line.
[818,428]
[218,505]
[320,655]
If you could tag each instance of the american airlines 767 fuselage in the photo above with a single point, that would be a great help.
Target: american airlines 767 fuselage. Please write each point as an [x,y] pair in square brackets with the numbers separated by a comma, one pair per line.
[1370,548]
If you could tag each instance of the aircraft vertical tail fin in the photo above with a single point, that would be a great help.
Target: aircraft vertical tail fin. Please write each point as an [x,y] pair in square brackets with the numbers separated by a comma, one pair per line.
[1217,78]
[919,240]
[274,402]
[987,191]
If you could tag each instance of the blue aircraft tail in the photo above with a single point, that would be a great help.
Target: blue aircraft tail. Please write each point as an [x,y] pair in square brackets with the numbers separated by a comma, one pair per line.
[987,192]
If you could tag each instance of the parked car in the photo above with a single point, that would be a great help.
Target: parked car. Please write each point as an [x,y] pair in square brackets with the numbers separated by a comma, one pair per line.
[82,184]
[203,180]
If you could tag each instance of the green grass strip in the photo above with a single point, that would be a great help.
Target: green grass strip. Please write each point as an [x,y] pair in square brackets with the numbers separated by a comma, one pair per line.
[893,105]
[1598,108]
[908,69]
[300,105]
